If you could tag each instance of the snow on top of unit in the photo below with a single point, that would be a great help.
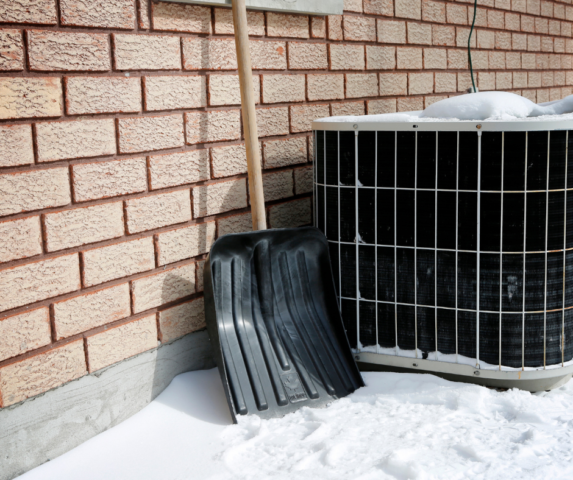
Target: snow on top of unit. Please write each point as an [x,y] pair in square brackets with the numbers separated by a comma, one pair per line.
[492,106]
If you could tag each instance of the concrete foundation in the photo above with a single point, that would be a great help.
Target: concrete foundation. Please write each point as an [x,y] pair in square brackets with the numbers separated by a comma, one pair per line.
[44,427]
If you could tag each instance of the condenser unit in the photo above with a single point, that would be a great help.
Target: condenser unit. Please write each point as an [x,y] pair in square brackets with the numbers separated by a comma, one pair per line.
[452,244]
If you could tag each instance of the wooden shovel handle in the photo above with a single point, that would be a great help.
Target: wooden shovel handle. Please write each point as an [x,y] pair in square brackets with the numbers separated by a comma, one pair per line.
[249,115]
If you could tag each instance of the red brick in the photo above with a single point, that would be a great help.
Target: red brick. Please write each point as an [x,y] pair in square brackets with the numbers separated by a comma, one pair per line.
[39,280]
[385,105]
[178,321]
[359,29]
[66,51]
[224,90]
[346,57]
[408,9]
[178,168]
[290,214]
[409,58]
[104,264]
[393,84]
[173,92]
[42,372]
[11,50]
[175,17]
[380,58]
[91,310]
[98,13]
[283,152]
[457,14]
[148,213]
[334,23]
[361,85]
[24,332]
[286,25]
[88,95]
[283,88]
[379,7]
[146,52]
[433,11]
[212,126]
[16,145]
[219,197]
[444,36]
[20,239]
[347,109]
[26,11]
[272,121]
[325,87]
[119,343]
[45,189]
[109,179]
[307,56]
[186,242]
[141,134]
[301,117]
[317,27]
[224,22]
[30,97]
[391,31]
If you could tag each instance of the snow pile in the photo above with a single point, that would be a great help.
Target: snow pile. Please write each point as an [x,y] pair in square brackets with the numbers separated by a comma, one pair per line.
[473,106]
[400,427]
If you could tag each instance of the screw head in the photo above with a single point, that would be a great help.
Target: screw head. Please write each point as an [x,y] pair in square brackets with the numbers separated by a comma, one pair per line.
[355,126]
[414,364]
[476,373]
[357,358]
[478,126]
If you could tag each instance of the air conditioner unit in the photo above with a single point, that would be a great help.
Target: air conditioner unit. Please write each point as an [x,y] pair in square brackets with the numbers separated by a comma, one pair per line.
[452,244]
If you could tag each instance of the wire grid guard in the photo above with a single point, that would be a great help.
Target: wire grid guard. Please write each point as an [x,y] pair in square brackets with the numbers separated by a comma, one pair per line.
[408,275]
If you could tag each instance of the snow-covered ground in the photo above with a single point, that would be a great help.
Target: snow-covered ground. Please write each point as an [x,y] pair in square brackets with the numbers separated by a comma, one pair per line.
[401,426]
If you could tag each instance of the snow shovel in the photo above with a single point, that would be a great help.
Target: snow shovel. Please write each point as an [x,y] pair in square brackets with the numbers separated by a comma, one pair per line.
[270,301]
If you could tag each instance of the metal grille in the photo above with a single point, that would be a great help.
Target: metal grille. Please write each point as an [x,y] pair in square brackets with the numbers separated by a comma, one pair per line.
[451,246]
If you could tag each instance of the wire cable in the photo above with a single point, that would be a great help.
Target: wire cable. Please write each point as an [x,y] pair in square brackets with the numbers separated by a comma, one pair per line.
[469,48]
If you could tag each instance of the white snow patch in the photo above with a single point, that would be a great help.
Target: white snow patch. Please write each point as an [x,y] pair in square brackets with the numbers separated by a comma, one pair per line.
[400,426]
[491,106]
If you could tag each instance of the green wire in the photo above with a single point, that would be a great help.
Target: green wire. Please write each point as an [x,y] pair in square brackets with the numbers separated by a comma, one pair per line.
[469,47]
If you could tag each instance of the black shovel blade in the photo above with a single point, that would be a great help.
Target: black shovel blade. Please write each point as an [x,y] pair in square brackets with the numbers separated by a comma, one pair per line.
[274,322]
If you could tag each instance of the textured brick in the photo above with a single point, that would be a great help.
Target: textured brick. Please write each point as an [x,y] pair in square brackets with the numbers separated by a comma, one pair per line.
[20,239]
[419,33]
[519,6]
[301,116]
[213,126]
[542,96]
[119,343]
[393,84]
[186,242]
[503,80]
[409,58]
[181,320]
[520,79]
[486,81]
[16,145]
[209,54]
[83,225]
[30,97]
[307,56]
[199,282]
[165,287]
[178,168]
[527,24]
[379,7]
[385,105]
[224,90]
[346,57]
[34,190]
[173,92]
[224,22]
[559,45]
[457,14]
[419,83]
[512,22]
[317,27]
[116,261]
[410,104]
[175,17]
[513,60]
[445,82]
[559,11]
[285,25]
[109,179]
[39,280]
[229,160]
[433,11]
[559,78]
[458,59]
[272,121]
[361,85]
[140,134]
[278,185]
[547,79]
[11,50]
[497,60]
[546,44]
[143,14]
[533,7]
[435,58]
[290,214]
[334,27]
[391,31]
[66,51]
[75,139]
[91,310]
[462,35]
[533,43]
[359,29]
[146,52]
[235,224]
[21,333]
[533,79]
[325,87]
[433,99]
[219,197]
[444,36]
[529,61]
[26,11]
[353,6]
[302,180]
[380,58]
[102,95]
[465,81]
[147,213]
[541,25]
[495,19]
[283,88]
[503,40]
[346,109]
[283,152]
[408,9]
[485,39]
[98,13]
[42,372]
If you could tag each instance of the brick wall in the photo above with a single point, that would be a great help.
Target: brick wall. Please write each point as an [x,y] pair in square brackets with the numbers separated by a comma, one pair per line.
[121,152]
